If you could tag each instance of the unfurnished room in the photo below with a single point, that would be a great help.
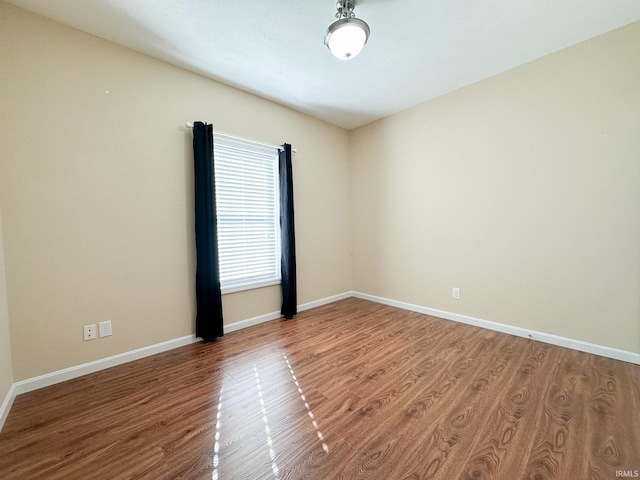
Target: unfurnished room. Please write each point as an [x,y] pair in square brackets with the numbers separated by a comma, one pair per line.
[352,239]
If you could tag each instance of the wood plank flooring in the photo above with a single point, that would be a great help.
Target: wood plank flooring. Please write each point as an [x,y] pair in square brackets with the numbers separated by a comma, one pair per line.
[351,390]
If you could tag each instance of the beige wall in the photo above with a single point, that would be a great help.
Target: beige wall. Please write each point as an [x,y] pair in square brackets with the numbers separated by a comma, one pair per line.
[96,188]
[6,371]
[522,190]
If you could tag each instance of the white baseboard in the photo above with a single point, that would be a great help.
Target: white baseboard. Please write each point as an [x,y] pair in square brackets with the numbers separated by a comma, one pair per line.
[76,371]
[6,405]
[587,347]
[267,317]
[250,322]
[324,301]
[59,376]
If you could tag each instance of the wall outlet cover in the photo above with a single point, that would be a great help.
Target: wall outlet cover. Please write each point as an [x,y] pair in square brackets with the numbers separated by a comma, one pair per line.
[104,328]
[89,332]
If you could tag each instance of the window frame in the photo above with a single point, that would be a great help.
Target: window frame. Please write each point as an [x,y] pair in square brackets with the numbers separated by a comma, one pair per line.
[247,151]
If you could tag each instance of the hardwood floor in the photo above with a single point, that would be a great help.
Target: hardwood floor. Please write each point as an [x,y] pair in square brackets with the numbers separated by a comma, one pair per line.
[351,390]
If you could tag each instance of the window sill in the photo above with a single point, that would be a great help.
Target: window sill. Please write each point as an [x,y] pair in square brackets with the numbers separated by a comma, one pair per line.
[249,286]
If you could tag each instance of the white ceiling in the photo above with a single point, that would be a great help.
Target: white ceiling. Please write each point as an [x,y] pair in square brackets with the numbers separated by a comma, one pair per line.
[418,49]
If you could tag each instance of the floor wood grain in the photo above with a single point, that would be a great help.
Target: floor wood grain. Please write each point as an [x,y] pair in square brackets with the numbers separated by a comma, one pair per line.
[350,390]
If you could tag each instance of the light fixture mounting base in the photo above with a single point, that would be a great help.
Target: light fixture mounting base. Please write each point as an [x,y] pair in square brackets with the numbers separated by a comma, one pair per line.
[345,8]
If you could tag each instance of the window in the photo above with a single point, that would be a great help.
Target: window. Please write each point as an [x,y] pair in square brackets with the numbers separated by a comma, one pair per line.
[247,207]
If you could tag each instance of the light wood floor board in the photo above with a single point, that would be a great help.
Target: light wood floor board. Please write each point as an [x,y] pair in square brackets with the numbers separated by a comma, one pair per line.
[350,390]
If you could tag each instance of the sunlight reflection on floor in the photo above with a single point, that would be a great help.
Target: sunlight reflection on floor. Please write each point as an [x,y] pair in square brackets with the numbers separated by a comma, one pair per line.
[216,446]
[265,419]
[239,413]
[325,447]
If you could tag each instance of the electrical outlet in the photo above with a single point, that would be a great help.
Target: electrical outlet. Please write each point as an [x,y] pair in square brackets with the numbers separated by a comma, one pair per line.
[455,293]
[105,328]
[90,332]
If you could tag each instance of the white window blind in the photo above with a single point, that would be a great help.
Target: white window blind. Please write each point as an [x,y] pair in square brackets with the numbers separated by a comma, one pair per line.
[247,206]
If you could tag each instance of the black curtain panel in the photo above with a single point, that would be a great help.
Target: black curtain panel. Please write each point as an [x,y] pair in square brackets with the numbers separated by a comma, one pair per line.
[288,262]
[208,296]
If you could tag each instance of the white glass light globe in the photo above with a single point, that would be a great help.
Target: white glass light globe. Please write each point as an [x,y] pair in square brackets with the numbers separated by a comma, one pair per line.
[347,37]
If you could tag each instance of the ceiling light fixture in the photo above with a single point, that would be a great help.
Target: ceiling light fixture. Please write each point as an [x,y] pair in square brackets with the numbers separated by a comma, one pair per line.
[347,36]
